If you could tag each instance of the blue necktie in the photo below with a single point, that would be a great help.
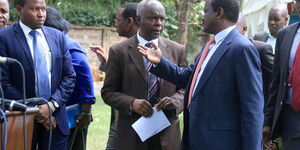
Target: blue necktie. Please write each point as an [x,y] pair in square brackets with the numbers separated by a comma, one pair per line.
[42,80]
[153,82]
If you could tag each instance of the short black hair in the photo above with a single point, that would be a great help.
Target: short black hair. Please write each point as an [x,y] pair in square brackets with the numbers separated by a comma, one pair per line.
[231,8]
[55,20]
[129,10]
[20,2]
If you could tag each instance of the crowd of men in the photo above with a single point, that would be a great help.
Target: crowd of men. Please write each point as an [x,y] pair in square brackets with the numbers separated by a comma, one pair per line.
[239,94]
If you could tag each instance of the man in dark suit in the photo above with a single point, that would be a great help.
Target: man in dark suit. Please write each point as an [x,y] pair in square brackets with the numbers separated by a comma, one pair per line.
[224,97]
[127,83]
[266,56]
[278,17]
[282,113]
[48,70]
[126,26]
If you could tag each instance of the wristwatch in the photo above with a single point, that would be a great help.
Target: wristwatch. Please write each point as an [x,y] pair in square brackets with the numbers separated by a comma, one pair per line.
[55,104]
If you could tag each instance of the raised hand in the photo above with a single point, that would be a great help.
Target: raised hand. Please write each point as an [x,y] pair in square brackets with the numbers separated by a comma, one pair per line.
[153,55]
[100,52]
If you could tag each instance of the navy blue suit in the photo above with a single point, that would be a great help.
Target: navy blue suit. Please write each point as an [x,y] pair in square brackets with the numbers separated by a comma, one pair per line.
[13,44]
[226,111]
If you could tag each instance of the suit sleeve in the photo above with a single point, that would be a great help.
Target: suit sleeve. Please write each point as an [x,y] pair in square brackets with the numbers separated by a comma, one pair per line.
[274,86]
[84,87]
[67,83]
[179,95]
[249,83]
[173,73]
[267,59]
[10,91]
[112,85]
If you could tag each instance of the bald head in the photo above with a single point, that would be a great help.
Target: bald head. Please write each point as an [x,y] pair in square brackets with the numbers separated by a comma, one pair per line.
[241,24]
[150,18]
[4,13]
[278,17]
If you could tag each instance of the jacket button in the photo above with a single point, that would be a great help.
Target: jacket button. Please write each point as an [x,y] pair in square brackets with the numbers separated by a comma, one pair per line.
[284,83]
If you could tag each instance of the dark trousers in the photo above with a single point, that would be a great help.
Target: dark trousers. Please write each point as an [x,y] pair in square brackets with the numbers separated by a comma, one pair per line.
[290,128]
[40,138]
[80,137]
[112,135]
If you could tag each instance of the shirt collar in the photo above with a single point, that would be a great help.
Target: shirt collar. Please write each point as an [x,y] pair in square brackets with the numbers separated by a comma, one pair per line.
[142,41]
[270,36]
[222,34]
[27,29]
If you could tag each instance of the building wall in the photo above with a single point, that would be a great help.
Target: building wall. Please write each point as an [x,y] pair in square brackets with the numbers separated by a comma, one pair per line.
[95,36]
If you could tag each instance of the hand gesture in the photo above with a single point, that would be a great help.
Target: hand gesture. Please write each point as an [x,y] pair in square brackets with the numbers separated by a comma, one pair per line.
[100,52]
[153,55]
[142,107]
[166,103]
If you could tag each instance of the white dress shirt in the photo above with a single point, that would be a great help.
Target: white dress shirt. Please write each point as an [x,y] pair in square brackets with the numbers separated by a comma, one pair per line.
[43,45]
[219,38]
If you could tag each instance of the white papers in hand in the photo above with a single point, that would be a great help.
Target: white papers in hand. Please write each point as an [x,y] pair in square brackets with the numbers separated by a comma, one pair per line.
[147,127]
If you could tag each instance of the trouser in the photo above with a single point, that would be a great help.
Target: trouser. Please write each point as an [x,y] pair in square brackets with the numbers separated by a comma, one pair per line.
[112,135]
[79,142]
[40,138]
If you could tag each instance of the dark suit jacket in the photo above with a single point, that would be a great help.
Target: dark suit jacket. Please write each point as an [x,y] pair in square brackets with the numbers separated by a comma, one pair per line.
[13,44]
[266,58]
[126,80]
[226,111]
[280,76]
[261,36]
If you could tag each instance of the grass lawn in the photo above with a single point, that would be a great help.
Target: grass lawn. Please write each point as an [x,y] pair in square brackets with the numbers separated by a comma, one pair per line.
[98,129]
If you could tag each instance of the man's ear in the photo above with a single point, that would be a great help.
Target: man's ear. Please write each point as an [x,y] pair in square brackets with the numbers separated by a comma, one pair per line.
[130,20]
[220,13]
[245,28]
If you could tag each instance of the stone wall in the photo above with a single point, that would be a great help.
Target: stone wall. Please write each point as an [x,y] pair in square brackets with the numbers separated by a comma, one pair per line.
[95,36]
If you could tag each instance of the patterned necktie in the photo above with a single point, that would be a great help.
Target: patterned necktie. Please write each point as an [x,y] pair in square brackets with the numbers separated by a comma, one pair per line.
[152,82]
[42,80]
[294,80]
[197,70]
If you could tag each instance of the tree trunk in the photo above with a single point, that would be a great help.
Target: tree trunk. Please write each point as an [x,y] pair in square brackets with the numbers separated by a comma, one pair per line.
[183,8]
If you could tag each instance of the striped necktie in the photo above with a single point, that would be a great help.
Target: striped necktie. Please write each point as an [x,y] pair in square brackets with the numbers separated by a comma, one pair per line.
[152,82]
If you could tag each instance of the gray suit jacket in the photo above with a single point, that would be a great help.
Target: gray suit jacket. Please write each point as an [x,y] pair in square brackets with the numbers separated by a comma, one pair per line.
[266,59]
[126,80]
[261,36]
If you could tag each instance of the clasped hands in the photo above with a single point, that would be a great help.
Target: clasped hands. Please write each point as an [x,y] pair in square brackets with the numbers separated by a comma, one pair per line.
[144,108]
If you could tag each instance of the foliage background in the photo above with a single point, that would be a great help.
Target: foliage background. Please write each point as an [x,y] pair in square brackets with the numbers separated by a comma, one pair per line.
[102,13]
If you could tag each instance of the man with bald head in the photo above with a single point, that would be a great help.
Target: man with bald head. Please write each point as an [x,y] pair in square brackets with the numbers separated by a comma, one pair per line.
[4,13]
[278,17]
[133,91]
[265,53]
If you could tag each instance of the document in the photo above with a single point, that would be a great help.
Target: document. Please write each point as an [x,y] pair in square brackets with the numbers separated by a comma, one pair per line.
[147,127]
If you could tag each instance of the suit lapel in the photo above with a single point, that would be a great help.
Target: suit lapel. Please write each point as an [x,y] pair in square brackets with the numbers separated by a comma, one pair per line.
[286,48]
[23,41]
[54,52]
[212,63]
[136,57]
